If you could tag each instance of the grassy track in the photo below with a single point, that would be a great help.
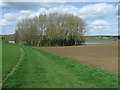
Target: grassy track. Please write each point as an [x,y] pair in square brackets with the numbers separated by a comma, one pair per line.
[10,56]
[40,69]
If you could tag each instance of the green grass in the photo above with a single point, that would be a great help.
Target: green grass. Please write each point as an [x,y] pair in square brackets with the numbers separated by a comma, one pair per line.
[40,69]
[0,54]
[101,40]
[0,64]
[10,56]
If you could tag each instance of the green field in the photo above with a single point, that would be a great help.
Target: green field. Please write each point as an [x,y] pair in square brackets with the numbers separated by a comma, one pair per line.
[40,69]
[0,64]
[10,56]
[100,39]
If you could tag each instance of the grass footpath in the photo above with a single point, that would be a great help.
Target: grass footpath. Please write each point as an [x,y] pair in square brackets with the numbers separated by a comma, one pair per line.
[40,69]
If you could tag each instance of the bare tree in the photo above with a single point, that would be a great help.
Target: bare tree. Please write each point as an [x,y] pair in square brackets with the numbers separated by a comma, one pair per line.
[51,29]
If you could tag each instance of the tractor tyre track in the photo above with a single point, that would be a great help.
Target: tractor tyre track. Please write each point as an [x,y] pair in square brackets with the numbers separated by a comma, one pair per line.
[15,67]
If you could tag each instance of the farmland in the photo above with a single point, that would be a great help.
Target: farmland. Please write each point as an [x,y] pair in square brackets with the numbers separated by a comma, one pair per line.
[41,69]
[104,56]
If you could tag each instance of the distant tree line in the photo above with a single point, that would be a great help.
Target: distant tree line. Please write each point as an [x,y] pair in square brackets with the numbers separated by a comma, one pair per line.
[51,30]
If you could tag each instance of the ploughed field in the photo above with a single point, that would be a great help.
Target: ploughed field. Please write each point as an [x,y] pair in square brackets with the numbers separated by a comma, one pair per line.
[40,69]
[103,56]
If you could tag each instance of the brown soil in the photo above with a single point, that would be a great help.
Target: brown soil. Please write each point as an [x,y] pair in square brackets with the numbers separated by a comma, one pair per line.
[103,56]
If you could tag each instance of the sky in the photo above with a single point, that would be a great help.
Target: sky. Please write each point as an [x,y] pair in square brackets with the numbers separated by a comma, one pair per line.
[101,17]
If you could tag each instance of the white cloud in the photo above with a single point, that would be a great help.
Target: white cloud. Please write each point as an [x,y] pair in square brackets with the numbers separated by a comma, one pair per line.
[9,20]
[102,27]
[3,22]
[64,9]
[10,16]
[100,32]
[100,23]
[25,14]
[97,10]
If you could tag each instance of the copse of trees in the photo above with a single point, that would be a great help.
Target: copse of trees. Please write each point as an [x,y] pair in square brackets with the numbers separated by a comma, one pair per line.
[51,30]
